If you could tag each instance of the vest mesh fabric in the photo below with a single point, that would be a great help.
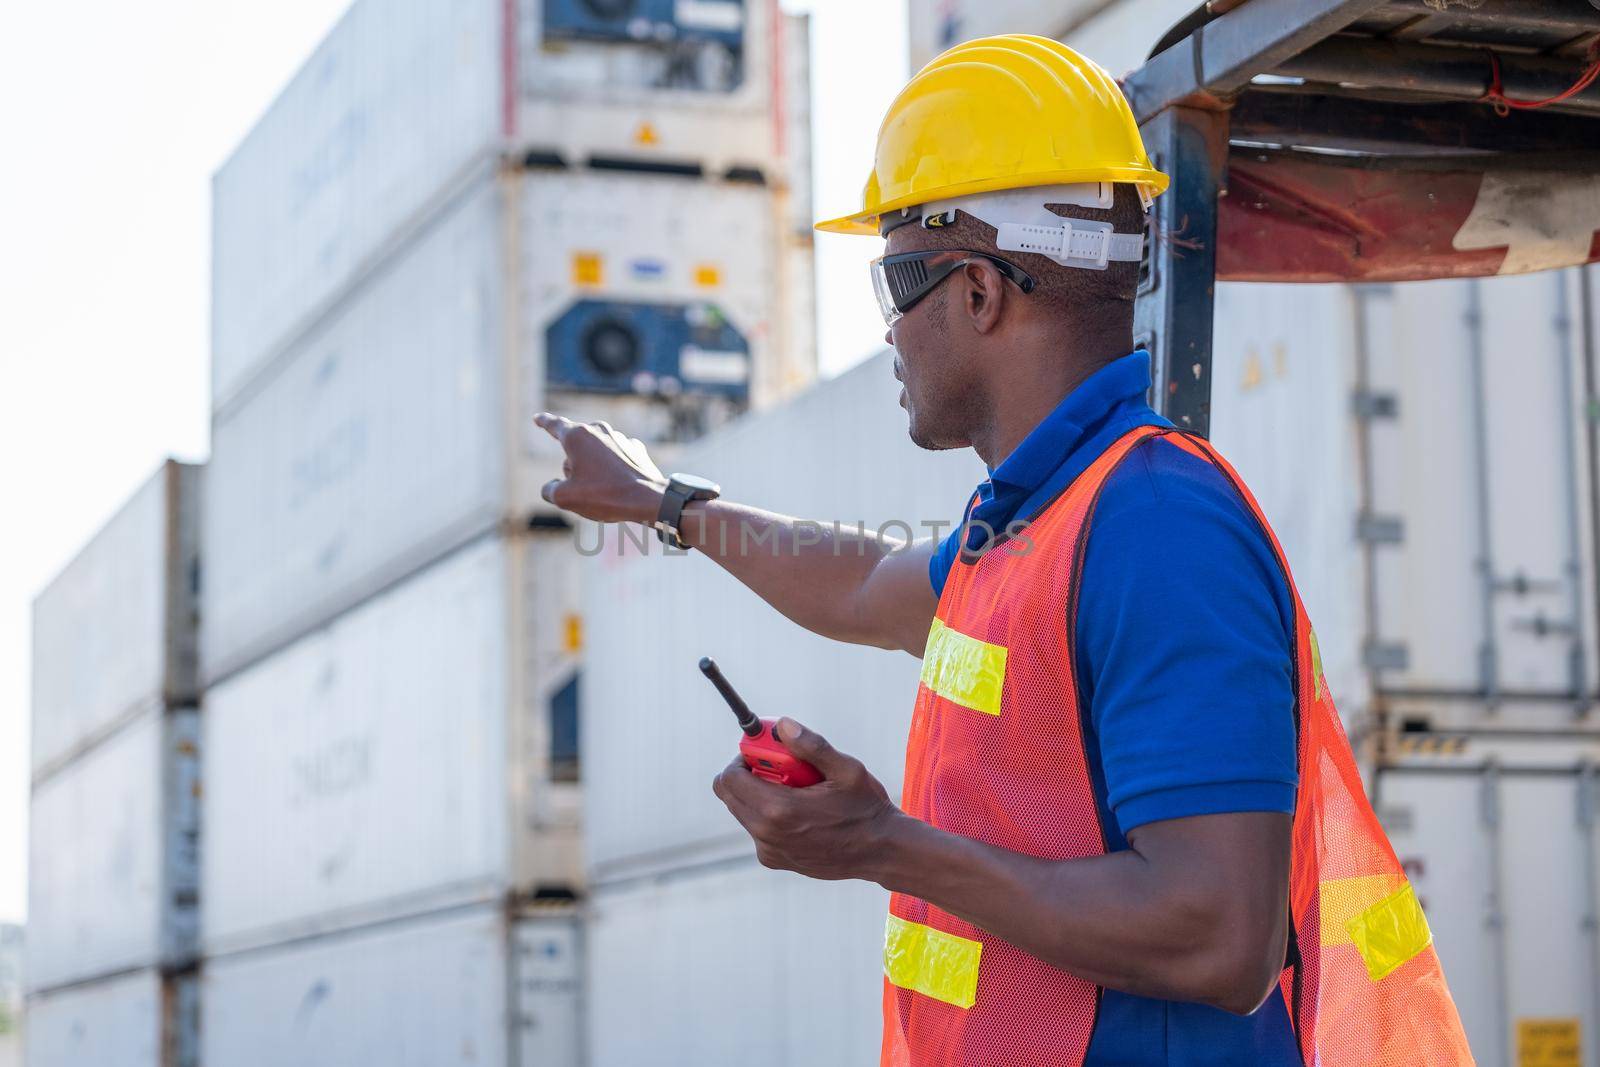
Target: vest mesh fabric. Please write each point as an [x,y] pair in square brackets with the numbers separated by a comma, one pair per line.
[1019,779]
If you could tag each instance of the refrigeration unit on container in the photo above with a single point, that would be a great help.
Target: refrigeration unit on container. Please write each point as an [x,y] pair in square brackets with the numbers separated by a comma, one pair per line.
[415,753]
[679,953]
[114,633]
[1497,835]
[402,426]
[406,101]
[139,1019]
[113,874]
[648,805]
[472,987]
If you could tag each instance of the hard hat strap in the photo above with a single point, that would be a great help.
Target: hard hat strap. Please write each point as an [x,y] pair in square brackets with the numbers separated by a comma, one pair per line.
[1072,243]
[1024,222]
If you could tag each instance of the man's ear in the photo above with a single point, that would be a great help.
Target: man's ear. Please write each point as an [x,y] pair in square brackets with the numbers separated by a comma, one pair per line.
[985,294]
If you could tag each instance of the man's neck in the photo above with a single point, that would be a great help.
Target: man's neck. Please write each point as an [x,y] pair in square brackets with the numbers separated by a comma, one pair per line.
[1020,400]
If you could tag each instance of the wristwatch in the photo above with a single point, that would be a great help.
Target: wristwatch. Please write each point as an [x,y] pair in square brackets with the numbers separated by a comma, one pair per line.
[681,488]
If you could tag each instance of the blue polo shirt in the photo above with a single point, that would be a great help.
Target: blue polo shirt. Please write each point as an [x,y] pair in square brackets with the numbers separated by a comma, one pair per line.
[1184,643]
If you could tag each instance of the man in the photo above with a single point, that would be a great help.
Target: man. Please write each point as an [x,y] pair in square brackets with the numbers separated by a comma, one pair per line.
[1132,830]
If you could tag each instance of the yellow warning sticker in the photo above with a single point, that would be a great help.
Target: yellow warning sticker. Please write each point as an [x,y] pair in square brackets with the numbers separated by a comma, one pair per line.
[1252,370]
[1548,1043]
[645,134]
[588,269]
[707,276]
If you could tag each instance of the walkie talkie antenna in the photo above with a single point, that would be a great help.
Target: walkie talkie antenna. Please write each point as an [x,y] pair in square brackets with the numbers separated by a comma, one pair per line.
[747,718]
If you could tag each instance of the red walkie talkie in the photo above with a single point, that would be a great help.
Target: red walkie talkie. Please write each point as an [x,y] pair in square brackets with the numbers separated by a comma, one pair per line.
[763,753]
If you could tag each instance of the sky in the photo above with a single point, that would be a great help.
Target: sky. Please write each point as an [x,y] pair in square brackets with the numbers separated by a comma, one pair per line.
[115,115]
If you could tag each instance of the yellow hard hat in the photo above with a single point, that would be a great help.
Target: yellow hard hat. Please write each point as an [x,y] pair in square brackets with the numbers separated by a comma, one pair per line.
[997,113]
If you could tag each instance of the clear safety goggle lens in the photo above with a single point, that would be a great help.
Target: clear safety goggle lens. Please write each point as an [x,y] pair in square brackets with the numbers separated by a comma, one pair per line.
[900,280]
[880,289]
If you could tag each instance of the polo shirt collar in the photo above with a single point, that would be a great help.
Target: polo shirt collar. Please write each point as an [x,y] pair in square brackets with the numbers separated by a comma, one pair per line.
[1110,389]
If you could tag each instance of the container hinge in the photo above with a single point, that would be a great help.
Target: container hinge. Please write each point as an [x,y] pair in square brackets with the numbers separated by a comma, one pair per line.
[1380,529]
[1541,625]
[1369,405]
[1397,820]
[1385,656]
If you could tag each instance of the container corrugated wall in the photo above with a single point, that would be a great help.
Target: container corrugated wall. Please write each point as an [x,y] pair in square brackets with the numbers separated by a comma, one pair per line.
[394,104]
[133,1020]
[396,760]
[735,964]
[114,633]
[1498,837]
[1484,589]
[374,447]
[113,871]
[1282,378]
[461,988]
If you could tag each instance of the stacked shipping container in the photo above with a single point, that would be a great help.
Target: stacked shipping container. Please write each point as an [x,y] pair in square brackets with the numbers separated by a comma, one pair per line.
[114,820]
[456,215]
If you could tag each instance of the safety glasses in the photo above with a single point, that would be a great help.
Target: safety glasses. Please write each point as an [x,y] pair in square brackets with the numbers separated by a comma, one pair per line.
[901,280]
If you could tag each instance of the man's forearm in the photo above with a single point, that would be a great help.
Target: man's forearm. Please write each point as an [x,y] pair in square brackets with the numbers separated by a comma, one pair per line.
[815,574]
[1118,920]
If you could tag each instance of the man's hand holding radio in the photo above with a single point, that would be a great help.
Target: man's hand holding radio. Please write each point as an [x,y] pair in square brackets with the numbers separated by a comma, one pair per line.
[838,828]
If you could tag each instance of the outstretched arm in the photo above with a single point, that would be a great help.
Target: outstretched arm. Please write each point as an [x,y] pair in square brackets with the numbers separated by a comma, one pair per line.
[853,586]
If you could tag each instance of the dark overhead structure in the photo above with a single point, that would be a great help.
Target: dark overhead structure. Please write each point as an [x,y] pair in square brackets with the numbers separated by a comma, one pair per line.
[1361,140]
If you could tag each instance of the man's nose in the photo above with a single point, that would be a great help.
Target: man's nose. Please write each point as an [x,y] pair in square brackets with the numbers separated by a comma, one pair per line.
[888,336]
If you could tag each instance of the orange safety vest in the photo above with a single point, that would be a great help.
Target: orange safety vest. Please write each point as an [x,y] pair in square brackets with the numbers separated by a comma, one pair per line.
[996,753]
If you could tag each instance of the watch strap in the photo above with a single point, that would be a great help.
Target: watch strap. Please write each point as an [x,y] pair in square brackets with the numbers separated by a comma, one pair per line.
[669,516]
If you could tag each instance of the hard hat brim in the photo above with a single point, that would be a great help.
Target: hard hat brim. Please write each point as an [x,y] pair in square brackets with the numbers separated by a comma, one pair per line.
[865,223]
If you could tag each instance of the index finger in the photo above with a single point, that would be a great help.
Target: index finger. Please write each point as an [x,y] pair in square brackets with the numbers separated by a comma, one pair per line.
[746,789]
[554,425]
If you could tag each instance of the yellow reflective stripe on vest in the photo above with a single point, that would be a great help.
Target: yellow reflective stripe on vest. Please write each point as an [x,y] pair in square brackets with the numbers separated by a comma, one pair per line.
[963,669]
[1390,933]
[931,962]
[1379,915]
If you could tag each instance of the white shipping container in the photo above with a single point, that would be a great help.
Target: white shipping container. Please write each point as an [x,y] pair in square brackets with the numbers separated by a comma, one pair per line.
[1120,35]
[765,967]
[132,1020]
[1498,837]
[114,867]
[1282,376]
[401,759]
[1480,489]
[1421,451]
[935,25]
[406,99]
[114,633]
[1117,34]
[402,426]
[463,988]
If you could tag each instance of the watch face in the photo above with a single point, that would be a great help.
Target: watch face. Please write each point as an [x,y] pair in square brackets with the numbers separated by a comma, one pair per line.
[696,483]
